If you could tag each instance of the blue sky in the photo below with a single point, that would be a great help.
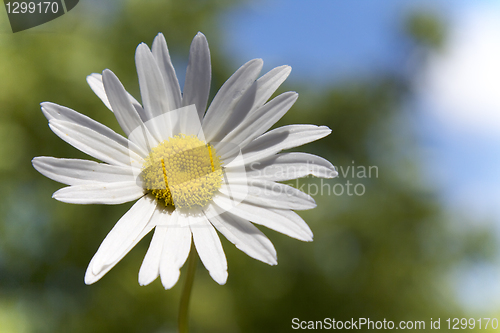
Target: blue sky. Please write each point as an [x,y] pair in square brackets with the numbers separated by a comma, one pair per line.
[323,40]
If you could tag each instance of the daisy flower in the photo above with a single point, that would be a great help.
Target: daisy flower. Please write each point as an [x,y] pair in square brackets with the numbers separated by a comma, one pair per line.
[191,169]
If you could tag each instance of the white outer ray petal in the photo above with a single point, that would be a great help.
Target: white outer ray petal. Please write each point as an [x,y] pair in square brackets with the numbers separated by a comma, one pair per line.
[281,138]
[209,247]
[265,193]
[198,75]
[268,84]
[150,268]
[243,234]
[255,96]
[126,115]
[257,123]
[162,57]
[95,82]
[228,97]
[78,172]
[126,233]
[175,250]
[100,193]
[96,144]
[57,112]
[288,166]
[181,121]
[284,221]
[153,92]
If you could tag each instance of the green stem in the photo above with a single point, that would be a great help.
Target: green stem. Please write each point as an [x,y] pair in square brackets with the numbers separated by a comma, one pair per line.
[186,291]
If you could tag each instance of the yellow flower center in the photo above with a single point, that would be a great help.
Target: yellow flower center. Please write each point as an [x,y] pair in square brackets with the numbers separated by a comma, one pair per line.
[182,172]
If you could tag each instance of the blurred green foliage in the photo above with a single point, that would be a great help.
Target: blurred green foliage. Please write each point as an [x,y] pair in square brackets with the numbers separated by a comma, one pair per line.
[426,28]
[385,254]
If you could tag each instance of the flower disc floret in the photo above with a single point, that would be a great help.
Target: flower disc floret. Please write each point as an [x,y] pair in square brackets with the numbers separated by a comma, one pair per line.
[183,172]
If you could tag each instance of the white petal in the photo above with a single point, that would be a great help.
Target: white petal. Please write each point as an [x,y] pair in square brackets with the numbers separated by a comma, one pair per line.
[54,111]
[267,193]
[255,96]
[78,172]
[100,193]
[162,57]
[124,111]
[209,248]
[297,221]
[284,221]
[126,114]
[184,120]
[95,82]
[96,144]
[257,123]
[57,112]
[153,91]
[244,235]
[126,233]
[175,250]
[227,98]
[288,166]
[281,138]
[267,85]
[198,75]
[150,268]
